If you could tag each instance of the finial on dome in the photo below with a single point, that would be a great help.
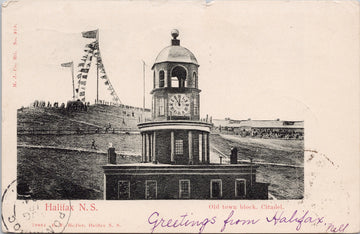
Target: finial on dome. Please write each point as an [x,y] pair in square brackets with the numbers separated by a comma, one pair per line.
[175,34]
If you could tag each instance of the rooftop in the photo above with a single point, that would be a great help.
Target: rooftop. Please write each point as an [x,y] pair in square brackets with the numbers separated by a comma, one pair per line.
[175,52]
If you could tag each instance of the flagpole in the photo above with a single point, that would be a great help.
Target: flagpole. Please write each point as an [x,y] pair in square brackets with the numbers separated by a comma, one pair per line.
[72,73]
[97,68]
[143,111]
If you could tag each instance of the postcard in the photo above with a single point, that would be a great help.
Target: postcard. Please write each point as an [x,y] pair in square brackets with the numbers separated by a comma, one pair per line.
[180,116]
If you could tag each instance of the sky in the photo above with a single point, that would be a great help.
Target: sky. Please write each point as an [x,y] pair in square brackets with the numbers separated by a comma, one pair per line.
[264,60]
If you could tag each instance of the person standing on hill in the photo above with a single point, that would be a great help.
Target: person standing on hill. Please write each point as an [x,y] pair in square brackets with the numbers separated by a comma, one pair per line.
[93,146]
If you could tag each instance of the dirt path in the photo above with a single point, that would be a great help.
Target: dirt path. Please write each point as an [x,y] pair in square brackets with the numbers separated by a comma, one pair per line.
[74,120]
[226,159]
[276,144]
[122,153]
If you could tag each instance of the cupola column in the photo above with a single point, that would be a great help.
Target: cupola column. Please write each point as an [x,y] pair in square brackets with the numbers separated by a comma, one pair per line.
[154,147]
[172,142]
[147,150]
[207,147]
[201,157]
[143,156]
[190,140]
[205,141]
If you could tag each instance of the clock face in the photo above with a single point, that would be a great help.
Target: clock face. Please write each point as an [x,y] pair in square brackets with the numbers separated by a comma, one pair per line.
[179,104]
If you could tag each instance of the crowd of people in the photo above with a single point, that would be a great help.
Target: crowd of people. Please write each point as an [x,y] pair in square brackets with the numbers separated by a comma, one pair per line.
[272,133]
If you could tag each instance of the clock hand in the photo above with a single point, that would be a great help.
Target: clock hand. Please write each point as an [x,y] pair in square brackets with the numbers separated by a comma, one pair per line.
[178,101]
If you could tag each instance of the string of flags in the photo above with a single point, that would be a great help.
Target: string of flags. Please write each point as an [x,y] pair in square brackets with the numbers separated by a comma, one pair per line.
[92,50]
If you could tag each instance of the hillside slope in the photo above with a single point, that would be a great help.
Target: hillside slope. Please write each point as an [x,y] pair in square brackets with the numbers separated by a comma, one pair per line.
[58,120]
[271,155]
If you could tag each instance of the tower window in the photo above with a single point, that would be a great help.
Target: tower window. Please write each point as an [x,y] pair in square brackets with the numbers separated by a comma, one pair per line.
[196,106]
[196,147]
[240,188]
[179,148]
[161,79]
[180,74]
[150,189]
[161,106]
[195,80]
[215,188]
[174,82]
[154,79]
[123,189]
[184,188]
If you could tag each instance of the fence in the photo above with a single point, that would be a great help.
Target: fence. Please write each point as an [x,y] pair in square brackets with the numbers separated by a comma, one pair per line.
[34,131]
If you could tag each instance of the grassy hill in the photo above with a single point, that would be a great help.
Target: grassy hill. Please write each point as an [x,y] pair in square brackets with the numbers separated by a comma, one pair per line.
[63,166]
[44,120]
[286,182]
[51,170]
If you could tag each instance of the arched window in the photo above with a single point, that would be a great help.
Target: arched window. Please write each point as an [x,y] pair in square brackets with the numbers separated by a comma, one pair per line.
[180,74]
[195,80]
[161,79]
[154,79]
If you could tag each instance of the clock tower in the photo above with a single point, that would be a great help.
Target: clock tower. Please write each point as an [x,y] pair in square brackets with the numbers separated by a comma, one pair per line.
[175,135]
[175,158]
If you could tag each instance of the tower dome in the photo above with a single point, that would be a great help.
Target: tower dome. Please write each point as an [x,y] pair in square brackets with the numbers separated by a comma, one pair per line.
[175,52]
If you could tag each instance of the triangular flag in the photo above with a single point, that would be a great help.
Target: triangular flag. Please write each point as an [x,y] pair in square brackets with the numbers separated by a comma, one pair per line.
[90,34]
[67,64]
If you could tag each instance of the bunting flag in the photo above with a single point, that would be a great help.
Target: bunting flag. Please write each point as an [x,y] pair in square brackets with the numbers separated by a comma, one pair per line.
[90,34]
[96,45]
[67,64]
[76,90]
[91,50]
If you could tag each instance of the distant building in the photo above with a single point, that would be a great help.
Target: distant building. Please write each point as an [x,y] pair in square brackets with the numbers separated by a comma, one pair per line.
[261,128]
[176,144]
